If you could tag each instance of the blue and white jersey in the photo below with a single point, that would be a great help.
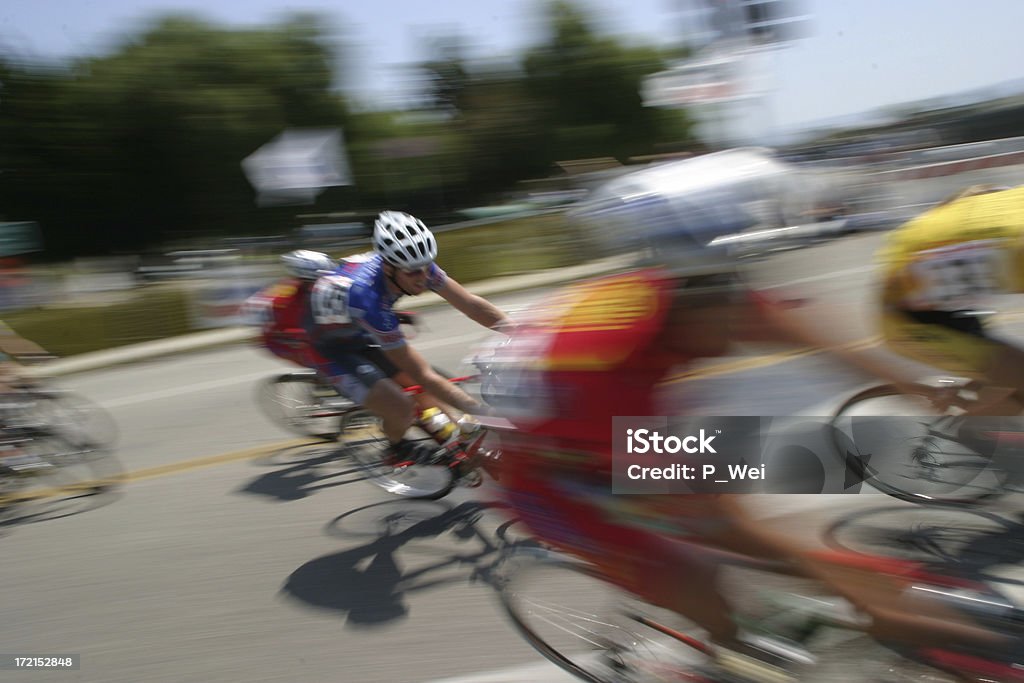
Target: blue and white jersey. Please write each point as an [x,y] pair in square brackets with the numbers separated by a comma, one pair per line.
[353,307]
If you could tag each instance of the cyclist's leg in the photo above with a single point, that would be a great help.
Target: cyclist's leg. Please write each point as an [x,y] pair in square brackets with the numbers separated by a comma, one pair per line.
[365,377]
[395,408]
[899,615]
[426,400]
[896,614]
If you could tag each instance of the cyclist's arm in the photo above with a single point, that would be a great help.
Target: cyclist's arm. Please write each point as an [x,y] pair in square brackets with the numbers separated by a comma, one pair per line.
[476,308]
[410,361]
[801,329]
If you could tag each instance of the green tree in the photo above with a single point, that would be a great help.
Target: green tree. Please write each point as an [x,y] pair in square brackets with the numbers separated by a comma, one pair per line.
[144,145]
[588,89]
[501,126]
[446,76]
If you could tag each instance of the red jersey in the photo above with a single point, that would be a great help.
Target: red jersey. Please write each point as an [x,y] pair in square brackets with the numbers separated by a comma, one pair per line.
[591,353]
[281,310]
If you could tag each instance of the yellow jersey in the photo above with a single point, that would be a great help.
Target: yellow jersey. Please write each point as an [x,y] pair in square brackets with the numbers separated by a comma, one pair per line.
[956,254]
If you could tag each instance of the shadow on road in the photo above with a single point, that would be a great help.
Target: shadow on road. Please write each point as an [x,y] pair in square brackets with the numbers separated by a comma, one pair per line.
[371,583]
[304,470]
[57,507]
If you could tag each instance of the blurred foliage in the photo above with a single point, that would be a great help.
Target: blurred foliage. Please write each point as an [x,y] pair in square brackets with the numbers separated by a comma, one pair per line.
[588,89]
[142,147]
[509,247]
[481,250]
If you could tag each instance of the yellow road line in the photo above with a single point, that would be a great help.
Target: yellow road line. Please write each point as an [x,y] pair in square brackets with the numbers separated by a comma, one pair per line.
[719,369]
[159,471]
[210,461]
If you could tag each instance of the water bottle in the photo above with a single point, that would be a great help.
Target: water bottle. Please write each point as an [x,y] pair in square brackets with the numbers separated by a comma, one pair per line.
[437,424]
[468,427]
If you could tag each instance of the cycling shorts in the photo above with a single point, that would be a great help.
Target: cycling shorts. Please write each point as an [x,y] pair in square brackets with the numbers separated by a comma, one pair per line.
[353,373]
[953,341]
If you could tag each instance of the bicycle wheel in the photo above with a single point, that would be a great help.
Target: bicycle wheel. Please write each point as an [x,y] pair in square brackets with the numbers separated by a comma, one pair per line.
[586,626]
[898,444]
[74,417]
[366,444]
[46,465]
[972,540]
[302,404]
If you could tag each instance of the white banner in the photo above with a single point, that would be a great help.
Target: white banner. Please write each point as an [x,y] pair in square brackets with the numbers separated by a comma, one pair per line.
[298,164]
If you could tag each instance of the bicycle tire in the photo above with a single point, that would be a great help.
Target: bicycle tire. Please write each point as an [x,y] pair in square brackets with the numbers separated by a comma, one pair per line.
[954,536]
[76,418]
[291,411]
[602,660]
[366,445]
[69,467]
[857,463]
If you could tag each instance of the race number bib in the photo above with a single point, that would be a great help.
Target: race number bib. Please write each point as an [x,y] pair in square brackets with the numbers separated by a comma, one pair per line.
[330,300]
[959,275]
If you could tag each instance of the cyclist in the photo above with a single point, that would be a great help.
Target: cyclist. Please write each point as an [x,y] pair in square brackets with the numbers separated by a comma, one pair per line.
[353,326]
[601,349]
[282,308]
[938,271]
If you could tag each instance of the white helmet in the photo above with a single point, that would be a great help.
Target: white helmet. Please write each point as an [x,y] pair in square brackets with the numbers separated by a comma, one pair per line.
[695,216]
[307,265]
[403,240]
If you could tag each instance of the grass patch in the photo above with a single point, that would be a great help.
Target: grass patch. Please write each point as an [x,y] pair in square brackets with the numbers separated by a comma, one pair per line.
[151,313]
[508,246]
[477,252]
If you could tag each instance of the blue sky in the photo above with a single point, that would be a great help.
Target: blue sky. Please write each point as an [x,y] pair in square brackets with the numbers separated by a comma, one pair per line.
[860,54]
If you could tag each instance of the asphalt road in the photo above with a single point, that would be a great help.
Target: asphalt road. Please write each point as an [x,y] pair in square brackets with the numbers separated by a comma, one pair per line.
[234,554]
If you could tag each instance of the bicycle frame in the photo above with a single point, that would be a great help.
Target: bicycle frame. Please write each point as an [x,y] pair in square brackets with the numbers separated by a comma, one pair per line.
[413,390]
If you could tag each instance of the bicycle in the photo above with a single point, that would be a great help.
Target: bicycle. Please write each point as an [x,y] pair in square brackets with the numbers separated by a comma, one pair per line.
[574,615]
[332,417]
[461,462]
[36,462]
[924,447]
[302,401]
[63,411]
[321,412]
[53,440]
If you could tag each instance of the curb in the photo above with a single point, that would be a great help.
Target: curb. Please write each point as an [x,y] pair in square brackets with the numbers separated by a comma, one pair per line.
[234,335]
